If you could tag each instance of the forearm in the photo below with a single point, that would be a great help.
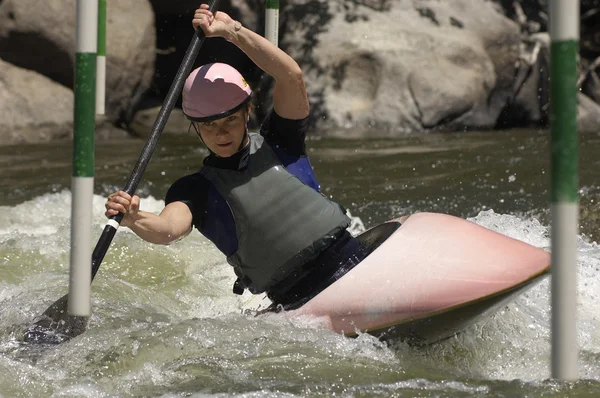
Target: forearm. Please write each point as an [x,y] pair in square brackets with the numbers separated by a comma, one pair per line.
[154,228]
[289,92]
[266,56]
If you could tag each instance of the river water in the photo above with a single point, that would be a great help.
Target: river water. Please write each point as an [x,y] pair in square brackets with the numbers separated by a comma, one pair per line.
[165,323]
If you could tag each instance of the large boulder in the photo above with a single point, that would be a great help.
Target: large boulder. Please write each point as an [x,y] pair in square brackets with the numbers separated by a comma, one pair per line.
[41,36]
[401,66]
[33,107]
[36,109]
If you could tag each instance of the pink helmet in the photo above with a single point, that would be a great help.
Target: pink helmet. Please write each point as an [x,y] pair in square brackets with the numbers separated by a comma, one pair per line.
[213,91]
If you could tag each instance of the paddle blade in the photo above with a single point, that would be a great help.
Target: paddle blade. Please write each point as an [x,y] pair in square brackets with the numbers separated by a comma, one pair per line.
[55,325]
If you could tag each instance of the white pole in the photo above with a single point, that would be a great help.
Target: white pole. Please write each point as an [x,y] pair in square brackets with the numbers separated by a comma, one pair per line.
[272,21]
[101,59]
[80,275]
[564,33]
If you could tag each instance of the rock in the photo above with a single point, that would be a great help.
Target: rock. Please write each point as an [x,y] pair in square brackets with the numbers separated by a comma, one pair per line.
[532,16]
[528,105]
[32,34]
[531,103]
[41,36]
[130,56]
[144,121]
[588,115]
[403,66]
[33,107]
[36,109]
[591,85]
[589,216]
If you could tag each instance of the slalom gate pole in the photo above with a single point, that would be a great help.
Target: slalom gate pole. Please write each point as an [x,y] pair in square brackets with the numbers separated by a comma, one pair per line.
[101,59]
[272,21]
[564,33]
[83,158]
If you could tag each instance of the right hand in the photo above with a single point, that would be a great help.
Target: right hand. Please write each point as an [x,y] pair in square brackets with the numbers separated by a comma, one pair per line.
[122,202]
[218,25]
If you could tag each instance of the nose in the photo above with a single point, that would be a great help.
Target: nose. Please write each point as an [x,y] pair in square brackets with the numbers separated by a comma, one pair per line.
[222,131]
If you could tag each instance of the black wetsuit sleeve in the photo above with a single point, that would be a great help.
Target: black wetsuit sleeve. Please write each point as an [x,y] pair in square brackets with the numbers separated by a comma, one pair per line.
[289,134]
[193,191]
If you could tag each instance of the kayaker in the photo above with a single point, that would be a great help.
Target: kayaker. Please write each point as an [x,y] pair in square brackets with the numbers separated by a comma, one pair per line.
[256,196]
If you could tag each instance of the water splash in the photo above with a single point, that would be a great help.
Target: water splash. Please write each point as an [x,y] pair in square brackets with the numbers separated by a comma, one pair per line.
[165,322]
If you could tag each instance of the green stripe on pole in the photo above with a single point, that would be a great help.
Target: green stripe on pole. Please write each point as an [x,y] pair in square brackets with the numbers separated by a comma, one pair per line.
[84,115]
[563,120]
[564,33]
[272,22]
[101,27]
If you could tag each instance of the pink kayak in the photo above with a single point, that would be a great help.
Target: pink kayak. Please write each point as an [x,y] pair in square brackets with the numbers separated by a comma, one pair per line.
[432,276]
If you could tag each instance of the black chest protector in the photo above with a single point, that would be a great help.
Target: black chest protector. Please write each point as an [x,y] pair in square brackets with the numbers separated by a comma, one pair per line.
[281,223]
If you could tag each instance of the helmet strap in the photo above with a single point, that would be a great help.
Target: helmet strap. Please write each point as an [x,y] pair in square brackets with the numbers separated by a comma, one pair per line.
[243,143]
[193,124]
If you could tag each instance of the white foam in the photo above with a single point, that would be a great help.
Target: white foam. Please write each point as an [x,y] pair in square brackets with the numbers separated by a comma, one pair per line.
[145,289]
[515,343]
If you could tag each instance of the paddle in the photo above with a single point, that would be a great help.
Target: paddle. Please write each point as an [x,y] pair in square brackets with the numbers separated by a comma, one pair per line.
[55,325]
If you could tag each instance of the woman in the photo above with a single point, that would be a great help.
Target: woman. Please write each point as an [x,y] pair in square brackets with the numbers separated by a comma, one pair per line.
[256,197]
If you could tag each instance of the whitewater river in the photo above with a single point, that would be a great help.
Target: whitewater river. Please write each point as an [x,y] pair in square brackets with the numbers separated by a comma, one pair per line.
[165,323]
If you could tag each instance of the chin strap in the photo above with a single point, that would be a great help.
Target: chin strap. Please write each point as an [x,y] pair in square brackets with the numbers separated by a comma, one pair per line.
[247,117]
[244,139]
[242,147]
[246,151]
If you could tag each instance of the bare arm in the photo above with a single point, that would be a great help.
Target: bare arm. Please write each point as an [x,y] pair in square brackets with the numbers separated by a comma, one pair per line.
[174,221]
[289,96]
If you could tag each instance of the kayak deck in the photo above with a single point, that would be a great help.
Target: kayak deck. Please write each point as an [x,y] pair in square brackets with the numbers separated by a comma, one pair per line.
[427,279]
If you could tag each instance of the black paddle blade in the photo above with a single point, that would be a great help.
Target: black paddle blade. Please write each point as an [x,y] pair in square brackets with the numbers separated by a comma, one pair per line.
[55,325]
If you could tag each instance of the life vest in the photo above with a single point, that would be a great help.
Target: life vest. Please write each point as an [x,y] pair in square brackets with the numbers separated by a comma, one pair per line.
[281,223]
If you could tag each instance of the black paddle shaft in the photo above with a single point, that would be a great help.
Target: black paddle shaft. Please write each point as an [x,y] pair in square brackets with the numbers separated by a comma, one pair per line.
[161,120]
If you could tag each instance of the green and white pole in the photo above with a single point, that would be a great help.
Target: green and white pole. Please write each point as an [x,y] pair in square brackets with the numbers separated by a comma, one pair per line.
[101,59]
[272,21]
[564,32]
[82,185]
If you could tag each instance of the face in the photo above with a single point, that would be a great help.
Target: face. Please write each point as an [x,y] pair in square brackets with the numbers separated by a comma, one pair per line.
[224,136]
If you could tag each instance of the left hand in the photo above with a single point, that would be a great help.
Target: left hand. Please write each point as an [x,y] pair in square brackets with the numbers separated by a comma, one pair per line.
[217,25]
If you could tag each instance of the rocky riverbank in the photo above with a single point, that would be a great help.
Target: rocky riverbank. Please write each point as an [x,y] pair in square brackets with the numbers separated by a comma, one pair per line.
[386,67]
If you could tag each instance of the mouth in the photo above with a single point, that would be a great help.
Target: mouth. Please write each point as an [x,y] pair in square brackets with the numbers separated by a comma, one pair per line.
[225,145]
